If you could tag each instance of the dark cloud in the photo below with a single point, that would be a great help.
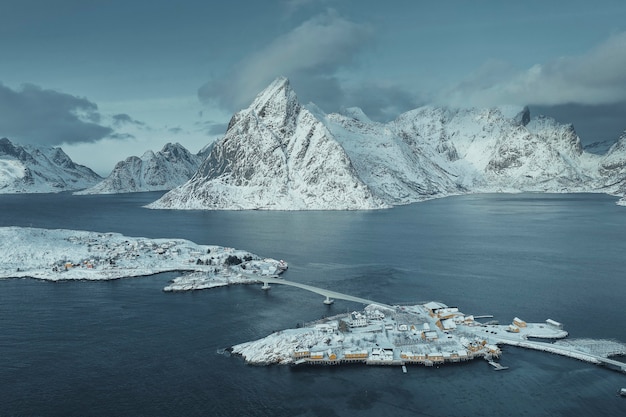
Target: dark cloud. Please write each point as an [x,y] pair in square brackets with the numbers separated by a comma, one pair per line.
[35,115]
[592,122]
[382,102]
[216,129]
[379,101]
[310,55]
[123,118]
[121,136]
[212,128]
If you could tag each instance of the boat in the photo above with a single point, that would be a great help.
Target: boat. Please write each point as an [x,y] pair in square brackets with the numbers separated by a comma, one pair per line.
[622,392]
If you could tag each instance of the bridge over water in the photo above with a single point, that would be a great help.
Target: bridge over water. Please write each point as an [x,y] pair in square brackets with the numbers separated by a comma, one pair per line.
[326,293]
[567,351]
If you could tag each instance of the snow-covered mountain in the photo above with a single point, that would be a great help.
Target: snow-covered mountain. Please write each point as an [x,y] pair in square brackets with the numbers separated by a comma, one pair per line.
[168,168]
[275,155]
[278,154]
[33,169]
[613,169]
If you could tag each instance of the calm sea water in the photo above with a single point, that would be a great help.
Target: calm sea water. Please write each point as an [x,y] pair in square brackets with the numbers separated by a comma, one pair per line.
[126,348]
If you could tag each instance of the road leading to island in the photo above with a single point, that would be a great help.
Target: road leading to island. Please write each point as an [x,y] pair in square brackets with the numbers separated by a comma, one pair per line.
[330,295]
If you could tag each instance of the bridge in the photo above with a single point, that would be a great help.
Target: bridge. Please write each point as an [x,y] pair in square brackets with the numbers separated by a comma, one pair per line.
[326,293]
[567,351]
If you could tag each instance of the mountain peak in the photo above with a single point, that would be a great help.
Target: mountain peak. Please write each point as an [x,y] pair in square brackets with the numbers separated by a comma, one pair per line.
[35,169]
[277,100]
[356,113]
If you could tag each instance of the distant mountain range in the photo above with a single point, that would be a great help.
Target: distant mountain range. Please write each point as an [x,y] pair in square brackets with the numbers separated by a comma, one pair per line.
[279,154]
[168,168]
[31,169]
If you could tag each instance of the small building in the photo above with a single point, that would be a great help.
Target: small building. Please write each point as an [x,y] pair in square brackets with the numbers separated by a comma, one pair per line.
[316,356]
[300,354]
[512,328]
[375,314]
[380,354]
[449,312]
[330,327]
[434,306]
[493,349]
[355,355]
[431,335]
[357,319]
[448,324]
[435,357]
[519,322]
[555,324]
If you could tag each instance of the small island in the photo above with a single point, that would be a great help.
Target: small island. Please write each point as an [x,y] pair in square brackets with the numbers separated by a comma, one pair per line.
[428,334]
[62,255]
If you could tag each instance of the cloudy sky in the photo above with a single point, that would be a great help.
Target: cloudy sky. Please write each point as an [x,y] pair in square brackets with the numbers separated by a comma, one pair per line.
[110,79]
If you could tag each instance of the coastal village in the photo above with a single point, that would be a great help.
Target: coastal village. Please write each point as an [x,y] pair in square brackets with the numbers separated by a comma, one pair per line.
[429,334]
[61,255]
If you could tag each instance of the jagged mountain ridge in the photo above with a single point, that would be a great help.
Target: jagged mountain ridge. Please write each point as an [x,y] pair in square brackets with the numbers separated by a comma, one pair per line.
[38,169]
[278,154]
[154,171]
[275,155]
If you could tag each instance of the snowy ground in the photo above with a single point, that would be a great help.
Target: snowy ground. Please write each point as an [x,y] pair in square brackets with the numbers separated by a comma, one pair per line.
[57,255]
[428,334]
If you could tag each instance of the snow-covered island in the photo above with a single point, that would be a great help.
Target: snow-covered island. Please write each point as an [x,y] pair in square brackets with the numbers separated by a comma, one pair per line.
[57,255]
[428,334]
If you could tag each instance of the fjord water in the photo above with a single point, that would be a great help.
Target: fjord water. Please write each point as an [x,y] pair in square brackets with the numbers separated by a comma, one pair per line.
[126,348]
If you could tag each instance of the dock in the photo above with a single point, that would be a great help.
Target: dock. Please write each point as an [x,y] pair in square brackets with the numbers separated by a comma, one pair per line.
[497,366]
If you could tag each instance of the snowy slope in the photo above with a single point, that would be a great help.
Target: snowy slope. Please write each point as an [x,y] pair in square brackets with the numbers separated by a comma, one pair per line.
[30,169]
[275,155]
[397,167]
[168,168]
[278,154]
[613,169]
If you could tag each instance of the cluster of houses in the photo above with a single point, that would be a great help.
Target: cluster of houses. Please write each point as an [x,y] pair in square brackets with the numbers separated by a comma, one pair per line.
[422,334]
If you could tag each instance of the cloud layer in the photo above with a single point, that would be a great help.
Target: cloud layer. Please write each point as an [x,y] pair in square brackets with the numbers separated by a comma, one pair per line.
[310,55]
[594,78]
[35,115]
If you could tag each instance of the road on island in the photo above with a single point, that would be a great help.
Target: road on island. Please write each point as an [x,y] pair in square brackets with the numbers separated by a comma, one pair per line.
[330,295]
[566,351]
